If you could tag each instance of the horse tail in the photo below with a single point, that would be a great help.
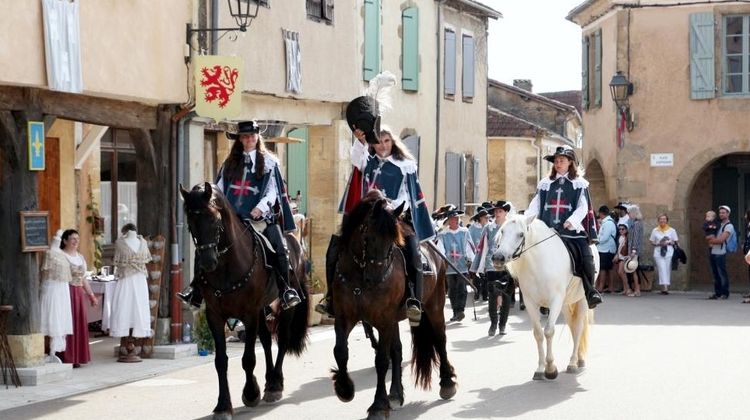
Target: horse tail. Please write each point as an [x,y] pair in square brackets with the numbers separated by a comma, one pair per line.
[298,328]
[424,354]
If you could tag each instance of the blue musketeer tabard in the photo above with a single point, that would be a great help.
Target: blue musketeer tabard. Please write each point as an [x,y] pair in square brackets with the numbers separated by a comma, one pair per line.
[383,175]
[454,243]
[244,193]
[486,247]
[558,202]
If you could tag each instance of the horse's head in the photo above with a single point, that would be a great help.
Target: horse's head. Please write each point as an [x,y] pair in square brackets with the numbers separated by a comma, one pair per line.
[511,239]
[370,235]
[203,208]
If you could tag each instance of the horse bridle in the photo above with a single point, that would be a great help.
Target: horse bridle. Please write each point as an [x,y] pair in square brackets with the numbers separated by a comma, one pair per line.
[364,261]
[520,249]
[217,238]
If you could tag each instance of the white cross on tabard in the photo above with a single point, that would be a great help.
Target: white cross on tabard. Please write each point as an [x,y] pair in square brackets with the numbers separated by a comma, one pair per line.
[557,205]
[243,188]
[376,174]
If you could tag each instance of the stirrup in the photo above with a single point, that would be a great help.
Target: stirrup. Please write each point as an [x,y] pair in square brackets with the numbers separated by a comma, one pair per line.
[413,311]
[290,299]
[324,307]
[268,313]
[188,298]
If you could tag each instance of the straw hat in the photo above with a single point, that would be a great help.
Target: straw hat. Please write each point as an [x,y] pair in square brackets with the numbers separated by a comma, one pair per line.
[631,264]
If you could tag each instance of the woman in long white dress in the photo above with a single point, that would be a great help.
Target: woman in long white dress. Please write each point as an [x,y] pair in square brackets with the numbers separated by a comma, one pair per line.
[130,302]
[56,315]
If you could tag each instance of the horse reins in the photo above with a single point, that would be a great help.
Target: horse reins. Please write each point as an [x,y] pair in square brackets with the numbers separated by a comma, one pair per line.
[520,250]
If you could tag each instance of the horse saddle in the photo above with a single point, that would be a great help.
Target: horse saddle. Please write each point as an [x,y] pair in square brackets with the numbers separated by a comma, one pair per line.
[576,258]
[257,227]
[428,267]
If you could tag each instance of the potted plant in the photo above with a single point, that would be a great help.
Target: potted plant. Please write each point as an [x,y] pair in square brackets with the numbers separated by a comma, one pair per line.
[202,334]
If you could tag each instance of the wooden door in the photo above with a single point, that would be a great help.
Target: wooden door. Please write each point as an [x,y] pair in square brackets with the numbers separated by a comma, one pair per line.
[49,183]
[296,167]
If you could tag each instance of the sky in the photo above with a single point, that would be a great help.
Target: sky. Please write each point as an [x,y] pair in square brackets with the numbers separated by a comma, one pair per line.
[534,41]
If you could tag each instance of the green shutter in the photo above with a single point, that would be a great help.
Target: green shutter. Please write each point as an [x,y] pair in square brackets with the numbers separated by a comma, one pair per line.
[702,81]
[296,167]
[585,72]
[371,65]
[598,68]
[410,49]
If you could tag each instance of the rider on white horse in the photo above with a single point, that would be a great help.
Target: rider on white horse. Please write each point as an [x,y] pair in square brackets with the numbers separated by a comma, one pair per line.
[562,202]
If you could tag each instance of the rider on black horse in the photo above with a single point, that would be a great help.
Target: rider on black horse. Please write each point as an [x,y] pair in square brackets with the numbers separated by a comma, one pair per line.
[252,183]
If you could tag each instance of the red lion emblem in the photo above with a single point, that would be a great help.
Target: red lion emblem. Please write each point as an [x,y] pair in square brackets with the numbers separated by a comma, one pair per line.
[219,83]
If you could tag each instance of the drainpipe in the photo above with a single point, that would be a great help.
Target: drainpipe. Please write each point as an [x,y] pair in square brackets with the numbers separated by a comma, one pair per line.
[214,48]
[175,270]
[438,101]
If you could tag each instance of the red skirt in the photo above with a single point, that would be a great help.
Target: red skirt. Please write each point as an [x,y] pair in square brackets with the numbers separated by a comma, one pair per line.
[77,345]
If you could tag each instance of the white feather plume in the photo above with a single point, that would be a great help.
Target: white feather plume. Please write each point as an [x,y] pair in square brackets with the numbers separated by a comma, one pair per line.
[380,87]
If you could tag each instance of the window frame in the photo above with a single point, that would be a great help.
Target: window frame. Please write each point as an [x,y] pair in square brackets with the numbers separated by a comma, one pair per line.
[745,55]
[322,16]
[115,148]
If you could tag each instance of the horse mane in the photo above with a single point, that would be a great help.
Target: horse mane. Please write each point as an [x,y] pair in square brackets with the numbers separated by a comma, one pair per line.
[219,201]
[383,220]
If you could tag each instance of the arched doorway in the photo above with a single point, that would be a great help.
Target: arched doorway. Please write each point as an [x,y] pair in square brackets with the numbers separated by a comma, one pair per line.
[597,189]
[724,181]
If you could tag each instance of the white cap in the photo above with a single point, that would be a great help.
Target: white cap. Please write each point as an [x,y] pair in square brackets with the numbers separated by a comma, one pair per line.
[725,207]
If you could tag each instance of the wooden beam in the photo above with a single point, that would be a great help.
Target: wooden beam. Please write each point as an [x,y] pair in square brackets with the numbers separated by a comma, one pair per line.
[83,108]
[88,144]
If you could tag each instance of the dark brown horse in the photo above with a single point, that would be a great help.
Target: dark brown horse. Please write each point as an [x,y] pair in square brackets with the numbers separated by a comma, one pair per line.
[370,286]
[236,284]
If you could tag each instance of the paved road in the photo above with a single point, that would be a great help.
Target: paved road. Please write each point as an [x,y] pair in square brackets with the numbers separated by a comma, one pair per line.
[653,357]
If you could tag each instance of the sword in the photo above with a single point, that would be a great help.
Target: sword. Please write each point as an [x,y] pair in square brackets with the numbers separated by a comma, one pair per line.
[466,279]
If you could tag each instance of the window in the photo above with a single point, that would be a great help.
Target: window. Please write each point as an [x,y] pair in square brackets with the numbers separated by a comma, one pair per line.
[320,10]
[410,49]
[371,65]
[467,70]
[449,65]
[119,201]
[736,74]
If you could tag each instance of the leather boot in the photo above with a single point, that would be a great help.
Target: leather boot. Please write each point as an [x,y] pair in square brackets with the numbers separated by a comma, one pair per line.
[191,296]
[325,307]
[289,297]
[593,297]
[414,279]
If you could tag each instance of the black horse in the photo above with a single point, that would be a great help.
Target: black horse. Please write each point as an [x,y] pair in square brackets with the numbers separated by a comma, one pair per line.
[370,286]
[237,284]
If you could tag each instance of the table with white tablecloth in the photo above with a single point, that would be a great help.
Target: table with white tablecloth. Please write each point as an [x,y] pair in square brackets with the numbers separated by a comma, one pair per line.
[105,292]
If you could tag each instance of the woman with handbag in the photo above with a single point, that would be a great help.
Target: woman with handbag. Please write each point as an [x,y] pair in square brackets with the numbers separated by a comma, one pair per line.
[664,239]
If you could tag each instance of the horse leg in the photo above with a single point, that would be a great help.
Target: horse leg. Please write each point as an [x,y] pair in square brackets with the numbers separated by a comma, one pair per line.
[396,394]
[536,324]
[342,383]
[223,409]
[370,334]
[251,391]
[577,324]
[447,373]
[381,407]
[274,385]
[550,371]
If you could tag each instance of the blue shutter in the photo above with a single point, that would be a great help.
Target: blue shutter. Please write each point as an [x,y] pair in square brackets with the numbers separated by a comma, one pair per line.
[585,72]
[412,143]
[410,49]
[371,65]
[450,62]
[598,68]
[296,167]
[467,73]
[702,79]
[475,198]
[453,179]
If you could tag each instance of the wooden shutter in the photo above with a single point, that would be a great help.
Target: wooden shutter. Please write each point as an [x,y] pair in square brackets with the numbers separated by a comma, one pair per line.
[467,72]
[372,39]
[450,62]
[598,68]
[585,72]
[702,79]
[410,49]
[412,143]
[327,10]
[453,178]
[475,198]
[296,167]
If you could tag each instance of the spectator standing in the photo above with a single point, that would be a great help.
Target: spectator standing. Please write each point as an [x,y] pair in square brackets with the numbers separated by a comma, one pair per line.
[606,247]
[663,238]
[718,256]
[621,257]
[635,242]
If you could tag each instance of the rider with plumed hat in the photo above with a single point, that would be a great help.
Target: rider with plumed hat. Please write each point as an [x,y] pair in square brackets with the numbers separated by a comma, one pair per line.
[251,180]
[562,202]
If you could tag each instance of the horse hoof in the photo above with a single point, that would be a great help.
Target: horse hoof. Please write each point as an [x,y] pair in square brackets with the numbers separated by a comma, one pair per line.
[581,363]
[344,389]
[271,396]
[222,416]
[571,369]
[447,392]
[551,375]
[378,415]
[249,403]
[396,402]
[538,376]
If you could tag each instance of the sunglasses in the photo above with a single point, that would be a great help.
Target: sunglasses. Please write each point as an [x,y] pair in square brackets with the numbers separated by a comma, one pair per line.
[623,229]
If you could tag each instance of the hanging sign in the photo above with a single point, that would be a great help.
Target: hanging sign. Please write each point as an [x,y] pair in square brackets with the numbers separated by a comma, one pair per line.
[218,86]
[35,137]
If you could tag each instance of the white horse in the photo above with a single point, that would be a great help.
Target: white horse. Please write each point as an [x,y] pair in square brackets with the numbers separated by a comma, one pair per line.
[535,255]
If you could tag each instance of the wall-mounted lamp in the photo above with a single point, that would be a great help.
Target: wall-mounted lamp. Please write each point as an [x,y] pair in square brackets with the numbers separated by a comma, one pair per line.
[621,88]
[240,10]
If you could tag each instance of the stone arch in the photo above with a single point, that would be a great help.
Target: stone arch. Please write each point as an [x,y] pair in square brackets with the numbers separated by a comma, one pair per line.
[597,183]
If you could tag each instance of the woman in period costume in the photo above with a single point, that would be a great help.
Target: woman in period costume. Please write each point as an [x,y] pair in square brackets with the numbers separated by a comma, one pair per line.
[562,202]
[77,345]
[130,302]
[56,316]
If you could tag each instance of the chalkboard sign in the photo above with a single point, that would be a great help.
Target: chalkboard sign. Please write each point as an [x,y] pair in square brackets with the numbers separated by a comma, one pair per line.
[34,231]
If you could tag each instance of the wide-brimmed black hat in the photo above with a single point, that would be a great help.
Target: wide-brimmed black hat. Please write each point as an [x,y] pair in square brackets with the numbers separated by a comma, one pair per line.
[502,204]
[621,206]
[566,151]
[364,113]
[440,213]
[453,212]
[245,127]
[481,211]
[487,206]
